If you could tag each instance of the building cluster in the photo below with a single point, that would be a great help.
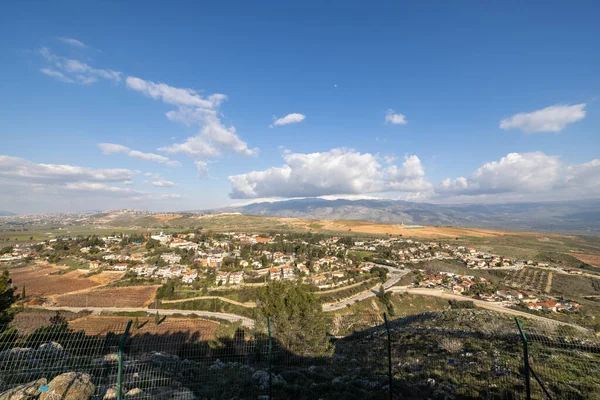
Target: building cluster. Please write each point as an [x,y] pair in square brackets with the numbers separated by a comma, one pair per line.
[532,302]
[457,283]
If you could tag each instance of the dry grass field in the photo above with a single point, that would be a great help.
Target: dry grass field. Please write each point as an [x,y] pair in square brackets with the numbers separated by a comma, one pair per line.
[593,260]
[191,329]
[39,283]
[396,229]
[130,296]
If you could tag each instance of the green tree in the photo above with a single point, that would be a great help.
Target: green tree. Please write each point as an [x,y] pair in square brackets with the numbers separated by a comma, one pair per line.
[297,318]
[136,323]
[152,243]
[157,319]
[7,298]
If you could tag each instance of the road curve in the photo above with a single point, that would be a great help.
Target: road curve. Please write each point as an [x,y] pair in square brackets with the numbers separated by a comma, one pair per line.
[247,322]
[395,275]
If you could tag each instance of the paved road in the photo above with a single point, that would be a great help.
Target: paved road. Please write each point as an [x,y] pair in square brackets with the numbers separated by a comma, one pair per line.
[248,322]
[395,275]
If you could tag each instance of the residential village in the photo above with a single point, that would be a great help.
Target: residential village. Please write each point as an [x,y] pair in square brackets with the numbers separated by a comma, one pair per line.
[235,259]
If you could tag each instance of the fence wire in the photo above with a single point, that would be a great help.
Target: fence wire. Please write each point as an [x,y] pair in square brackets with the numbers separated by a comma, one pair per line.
[564,361]
[466,354]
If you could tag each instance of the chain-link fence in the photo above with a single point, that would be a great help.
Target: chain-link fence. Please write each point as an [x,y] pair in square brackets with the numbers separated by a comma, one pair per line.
[467,354]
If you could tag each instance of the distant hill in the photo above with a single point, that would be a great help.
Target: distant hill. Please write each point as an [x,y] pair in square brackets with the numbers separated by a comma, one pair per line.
[580,217]
[6,214]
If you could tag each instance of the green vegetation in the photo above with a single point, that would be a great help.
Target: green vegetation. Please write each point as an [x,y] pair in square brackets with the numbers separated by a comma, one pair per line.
[214,305]
[297,319]
[7,298]
[333,296]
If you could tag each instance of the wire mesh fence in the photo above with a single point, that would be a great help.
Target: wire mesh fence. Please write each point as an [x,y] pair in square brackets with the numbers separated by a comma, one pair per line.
[467,354]
[563,361]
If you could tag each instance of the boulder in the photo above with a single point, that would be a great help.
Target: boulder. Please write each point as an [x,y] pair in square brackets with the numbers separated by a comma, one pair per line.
[136,392]
[26,391]
[52,346]
[111,393]
[70,386]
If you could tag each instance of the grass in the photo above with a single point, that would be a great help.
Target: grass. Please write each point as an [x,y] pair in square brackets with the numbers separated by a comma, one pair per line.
[361,254]
[574,286]
[342,294]
[369,312]
[214,305]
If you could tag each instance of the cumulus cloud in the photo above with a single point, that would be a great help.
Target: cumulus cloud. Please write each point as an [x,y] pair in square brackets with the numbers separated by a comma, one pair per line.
[75,71]
[409,178]
[163,183]
[336,172]
[392,117]
[213,138]
[73,42]
[549,119]
[293,118]
[202,168]
[533,176]
[112,148]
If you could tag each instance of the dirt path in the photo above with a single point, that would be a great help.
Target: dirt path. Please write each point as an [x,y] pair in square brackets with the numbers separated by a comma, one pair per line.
[549,283]
[248,304]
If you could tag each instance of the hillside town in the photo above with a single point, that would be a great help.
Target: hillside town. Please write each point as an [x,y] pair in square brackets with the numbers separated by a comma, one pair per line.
[235,259]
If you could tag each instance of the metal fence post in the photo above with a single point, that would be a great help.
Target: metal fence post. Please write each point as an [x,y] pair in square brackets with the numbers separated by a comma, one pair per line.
[270,358]
[525,359]
[120,371]
[389,353]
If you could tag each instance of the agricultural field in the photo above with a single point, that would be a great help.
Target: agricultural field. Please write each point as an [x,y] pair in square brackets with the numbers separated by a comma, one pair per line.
[132,296]
[44,280]
[28,320]
[194,329]
[531,279]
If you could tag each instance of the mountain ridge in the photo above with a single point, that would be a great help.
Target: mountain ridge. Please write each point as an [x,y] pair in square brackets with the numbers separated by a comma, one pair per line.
[581,216]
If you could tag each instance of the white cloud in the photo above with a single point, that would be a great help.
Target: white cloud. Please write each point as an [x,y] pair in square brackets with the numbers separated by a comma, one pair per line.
[173,95]
[336,172]
[30,186]
[392,117]
[73,42]
[75,71]
[293,118]
[112,148]
[56,75]
[101,188]
[549,119]
[409,178]
[213,138]
[20,168]
[202,168]
[526,176]
[163,183]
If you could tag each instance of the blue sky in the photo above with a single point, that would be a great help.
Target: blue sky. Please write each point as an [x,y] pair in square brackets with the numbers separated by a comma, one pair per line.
[79,75]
